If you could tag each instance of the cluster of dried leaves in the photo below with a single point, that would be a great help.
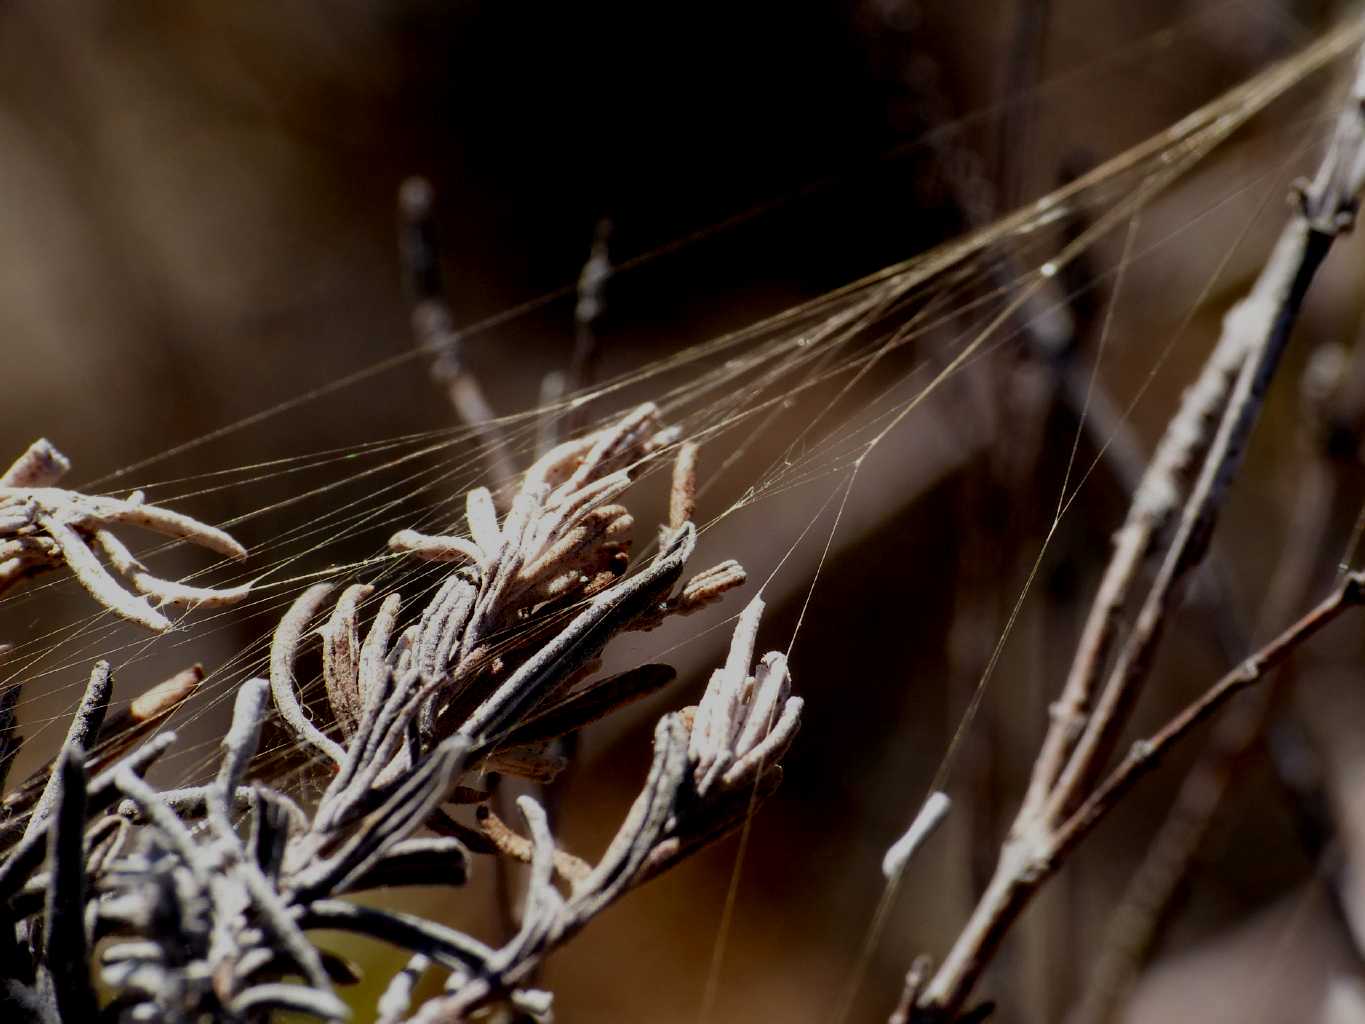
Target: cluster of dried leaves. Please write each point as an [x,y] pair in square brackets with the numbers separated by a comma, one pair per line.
[196,903]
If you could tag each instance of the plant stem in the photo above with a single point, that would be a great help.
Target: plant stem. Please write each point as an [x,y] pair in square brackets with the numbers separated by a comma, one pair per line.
[1211,430]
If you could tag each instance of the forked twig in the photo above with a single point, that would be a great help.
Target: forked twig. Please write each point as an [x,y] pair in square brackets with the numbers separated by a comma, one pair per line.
[1171,519]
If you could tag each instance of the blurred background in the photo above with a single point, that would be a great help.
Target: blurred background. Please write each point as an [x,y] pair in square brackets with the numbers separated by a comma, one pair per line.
[197,223]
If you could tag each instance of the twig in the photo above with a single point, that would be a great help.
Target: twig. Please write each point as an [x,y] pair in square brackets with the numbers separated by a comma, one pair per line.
[66,953]
[1226,401]
[1144,906]
[929,818]
[85,725]
[587,353]
[1144,755]
[1012,890]
[433,327]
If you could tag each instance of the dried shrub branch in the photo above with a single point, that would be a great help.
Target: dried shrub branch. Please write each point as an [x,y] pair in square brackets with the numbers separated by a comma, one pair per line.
[201,899]
[1169,524]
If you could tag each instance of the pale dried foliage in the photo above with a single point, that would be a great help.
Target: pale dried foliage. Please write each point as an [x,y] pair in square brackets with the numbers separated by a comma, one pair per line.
[200,898]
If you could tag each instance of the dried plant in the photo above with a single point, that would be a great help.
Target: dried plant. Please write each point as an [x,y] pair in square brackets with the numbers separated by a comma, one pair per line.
[200,898]
[43,527]
[127,900]
[1168,526]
